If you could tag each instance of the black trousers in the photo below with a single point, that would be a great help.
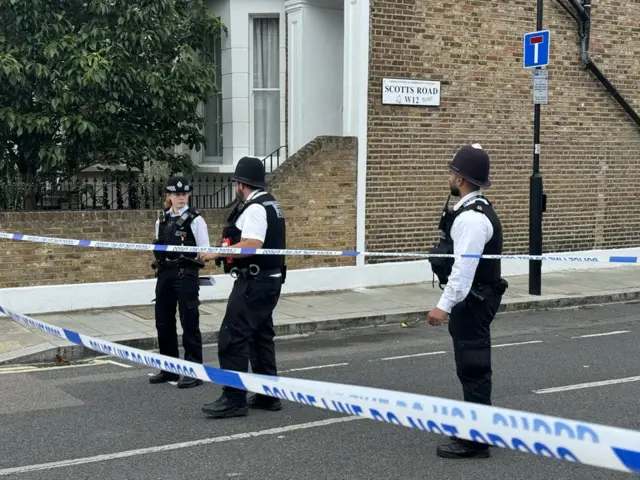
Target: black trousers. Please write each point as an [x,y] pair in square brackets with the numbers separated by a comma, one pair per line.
[179,287]
[469,327]
[247,331]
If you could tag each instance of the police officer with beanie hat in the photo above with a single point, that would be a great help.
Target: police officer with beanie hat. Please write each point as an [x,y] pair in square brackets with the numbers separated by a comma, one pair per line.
[473,287]
[178,279]
[247,330]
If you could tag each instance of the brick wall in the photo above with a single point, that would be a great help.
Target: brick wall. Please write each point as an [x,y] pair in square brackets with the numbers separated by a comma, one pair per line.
[316,188]
[590,158]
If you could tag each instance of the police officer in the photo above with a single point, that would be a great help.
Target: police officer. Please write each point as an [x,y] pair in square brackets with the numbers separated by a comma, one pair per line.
[247,330]
[178,280]
[473,287]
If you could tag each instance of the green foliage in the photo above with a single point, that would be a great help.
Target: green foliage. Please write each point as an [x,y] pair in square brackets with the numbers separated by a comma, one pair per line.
[86,82]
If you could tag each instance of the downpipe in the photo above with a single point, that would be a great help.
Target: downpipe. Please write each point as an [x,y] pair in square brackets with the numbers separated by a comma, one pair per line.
[584,12]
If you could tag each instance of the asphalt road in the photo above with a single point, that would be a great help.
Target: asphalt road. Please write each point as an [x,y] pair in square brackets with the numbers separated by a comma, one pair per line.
[105,421]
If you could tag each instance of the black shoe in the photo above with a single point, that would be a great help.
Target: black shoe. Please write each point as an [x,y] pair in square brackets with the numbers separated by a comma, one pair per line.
[189,382]
[460,449]
[227,406]
[264,402]
[163,377]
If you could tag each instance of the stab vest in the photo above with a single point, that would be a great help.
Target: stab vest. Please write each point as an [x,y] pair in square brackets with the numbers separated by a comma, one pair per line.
[174,230]
[488,271]
[274,239]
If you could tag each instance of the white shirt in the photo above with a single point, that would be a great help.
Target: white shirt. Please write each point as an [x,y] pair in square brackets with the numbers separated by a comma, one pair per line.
[253,221]
[198,227]
[470,232]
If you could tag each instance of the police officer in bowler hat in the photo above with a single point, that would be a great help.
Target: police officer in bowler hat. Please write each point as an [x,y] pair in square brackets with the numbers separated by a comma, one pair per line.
[178,279]
[473,287]
[247,330]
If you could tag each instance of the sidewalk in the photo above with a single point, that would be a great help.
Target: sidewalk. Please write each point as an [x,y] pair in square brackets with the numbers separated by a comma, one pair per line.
[299,314]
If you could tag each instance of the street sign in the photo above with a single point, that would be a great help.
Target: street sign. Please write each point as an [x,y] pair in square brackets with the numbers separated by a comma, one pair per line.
[540,87]
[536,49]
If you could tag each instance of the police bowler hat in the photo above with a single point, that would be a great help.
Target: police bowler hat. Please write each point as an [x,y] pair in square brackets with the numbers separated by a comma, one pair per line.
[250,171]
[471,162]
[178,185]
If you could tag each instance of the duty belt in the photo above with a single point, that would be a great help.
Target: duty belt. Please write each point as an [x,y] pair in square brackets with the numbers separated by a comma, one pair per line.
[181,262]
[252,271]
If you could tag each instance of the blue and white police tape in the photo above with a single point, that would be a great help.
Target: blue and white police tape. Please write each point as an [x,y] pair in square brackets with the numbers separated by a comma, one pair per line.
[559,438]
[337,253]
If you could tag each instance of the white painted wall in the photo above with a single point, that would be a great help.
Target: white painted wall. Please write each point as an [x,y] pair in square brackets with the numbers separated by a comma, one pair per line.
[356,89]
[237,82]
[60,298]
[316,69]
[237,108]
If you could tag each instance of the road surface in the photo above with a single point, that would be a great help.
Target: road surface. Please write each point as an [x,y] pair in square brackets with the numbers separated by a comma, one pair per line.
[103,420]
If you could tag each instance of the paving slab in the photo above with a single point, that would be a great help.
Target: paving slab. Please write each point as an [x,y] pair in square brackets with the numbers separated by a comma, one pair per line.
[309,313]
[147,313]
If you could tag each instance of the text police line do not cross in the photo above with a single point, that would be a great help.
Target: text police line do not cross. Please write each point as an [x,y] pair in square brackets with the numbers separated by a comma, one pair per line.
[565,257]
[543,435]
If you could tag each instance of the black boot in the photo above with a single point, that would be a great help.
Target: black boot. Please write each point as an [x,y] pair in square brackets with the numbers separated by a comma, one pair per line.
[228,405]
[463,449]
[163,377]
[264,402]
[189,382]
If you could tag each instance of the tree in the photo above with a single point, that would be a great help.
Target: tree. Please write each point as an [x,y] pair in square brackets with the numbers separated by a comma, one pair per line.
[109,82]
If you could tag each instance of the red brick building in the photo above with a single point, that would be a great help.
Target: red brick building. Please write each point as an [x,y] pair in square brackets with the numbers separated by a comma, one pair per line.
[590,156]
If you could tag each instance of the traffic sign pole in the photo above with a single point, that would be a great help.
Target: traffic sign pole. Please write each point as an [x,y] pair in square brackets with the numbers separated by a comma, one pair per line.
[535,184]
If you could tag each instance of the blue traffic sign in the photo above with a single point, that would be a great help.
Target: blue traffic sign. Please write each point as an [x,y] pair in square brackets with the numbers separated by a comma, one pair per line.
[536,49]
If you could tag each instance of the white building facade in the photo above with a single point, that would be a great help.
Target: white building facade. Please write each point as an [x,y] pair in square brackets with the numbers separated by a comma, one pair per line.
[313,53]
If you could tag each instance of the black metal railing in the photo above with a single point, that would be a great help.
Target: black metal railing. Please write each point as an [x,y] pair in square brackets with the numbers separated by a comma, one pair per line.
[117,192]
[107,194]
[273,160]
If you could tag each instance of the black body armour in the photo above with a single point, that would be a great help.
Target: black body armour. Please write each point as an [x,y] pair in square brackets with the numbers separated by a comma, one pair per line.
[275,237]
[488,271]
[177,231]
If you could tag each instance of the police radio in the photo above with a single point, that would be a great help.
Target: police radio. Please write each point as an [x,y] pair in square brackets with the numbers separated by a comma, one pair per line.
[226,242]
[441,267]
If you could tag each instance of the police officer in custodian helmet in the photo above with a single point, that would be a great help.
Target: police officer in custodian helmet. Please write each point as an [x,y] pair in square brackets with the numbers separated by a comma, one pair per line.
[247,330]
[178,279]
[473,287]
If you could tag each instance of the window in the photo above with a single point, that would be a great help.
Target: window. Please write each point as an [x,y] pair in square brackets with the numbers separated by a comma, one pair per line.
[266,85]
[213,110]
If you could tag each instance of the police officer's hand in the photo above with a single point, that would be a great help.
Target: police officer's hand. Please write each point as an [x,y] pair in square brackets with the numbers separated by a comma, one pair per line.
[207,256]
[437,317]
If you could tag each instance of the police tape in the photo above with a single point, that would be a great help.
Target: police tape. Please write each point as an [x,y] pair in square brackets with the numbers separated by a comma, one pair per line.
[543,435]
[338,253]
